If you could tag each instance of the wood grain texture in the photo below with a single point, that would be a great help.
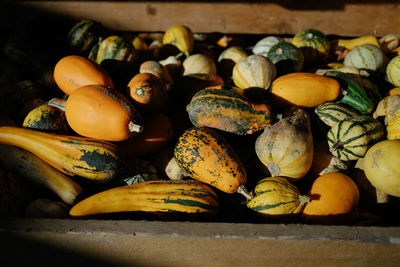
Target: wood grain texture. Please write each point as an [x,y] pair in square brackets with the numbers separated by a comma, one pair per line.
[258,17]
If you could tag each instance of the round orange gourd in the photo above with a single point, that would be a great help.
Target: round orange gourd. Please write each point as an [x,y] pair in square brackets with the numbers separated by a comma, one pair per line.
[331,194]
[99,112]
[72,72]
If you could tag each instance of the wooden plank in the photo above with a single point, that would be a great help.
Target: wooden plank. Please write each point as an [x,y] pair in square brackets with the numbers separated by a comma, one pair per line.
[155,243]
[257,17]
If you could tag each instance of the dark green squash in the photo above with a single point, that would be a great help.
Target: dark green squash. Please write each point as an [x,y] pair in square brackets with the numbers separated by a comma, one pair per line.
[84,35]
[286,57]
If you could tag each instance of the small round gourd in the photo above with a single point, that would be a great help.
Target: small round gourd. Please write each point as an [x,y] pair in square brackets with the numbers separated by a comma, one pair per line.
[47,118]
[393,71]
[314,45]
[199,63]
[286,57]
[113,48]
[84,35]
[254,71]
[263,46]
[366,56]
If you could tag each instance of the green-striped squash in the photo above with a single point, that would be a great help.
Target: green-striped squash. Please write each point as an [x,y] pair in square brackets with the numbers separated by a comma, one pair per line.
[353,94]
[228,111]
[314,45]
[286,57]
[199,63]
[350,139]
[263,46]
[393,71]
[276,196]
[46,118]
[113,47]
[170,196]
[365,56]
[254,71]
[136,170]
[331,113]
[84,35]
[205,155]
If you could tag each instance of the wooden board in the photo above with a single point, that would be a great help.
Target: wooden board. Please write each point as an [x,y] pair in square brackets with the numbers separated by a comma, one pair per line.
[346,18]
[154,243]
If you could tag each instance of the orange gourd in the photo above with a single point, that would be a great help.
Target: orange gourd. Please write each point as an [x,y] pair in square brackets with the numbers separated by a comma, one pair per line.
[332,195]
[72,72]
[99,112]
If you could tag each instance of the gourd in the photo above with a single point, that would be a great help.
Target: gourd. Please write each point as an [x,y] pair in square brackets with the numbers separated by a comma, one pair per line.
[46,118]
[147,92]
[366,56]
[314,45]
[393,71]
[332,195]
[389,43]
[136,170]
[263,46]
[170,196]
[158,70]
[276,196]
[388,108]
[253,71]
[113,48]
[381,165]
[173,171]
[180,36]
[98,112]
[206,156]
[305,89]
[286,148]
[199,63]
[350,139]
[228,58]
[351,43]
[84,35]
[37,171]
[72,72]
[353,94]
[331,113]
[95,160]
[228,111]
[286,57]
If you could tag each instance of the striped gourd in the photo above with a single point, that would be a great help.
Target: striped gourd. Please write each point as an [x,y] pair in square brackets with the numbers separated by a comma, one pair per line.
[228,111]
[180,36]
[199,63]
[254,71]
[393,71]
[113,47]
[331,113]
[170,196]
[366,56]
[350,139]
[263,46]
[84,35]
[314,45]
[276,196]
[354,94]
[234,53]
[206,156]
[286,57]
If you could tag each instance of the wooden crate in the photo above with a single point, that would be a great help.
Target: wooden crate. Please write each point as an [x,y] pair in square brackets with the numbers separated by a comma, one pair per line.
[180,243]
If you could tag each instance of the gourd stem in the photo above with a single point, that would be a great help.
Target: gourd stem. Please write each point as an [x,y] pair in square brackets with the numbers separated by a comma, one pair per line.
[335,146]
[304,199]
[381,197]
[58,103]
[242,190]
[134,127]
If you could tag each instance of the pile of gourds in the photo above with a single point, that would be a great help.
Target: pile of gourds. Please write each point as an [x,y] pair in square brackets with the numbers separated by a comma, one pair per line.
[305,128]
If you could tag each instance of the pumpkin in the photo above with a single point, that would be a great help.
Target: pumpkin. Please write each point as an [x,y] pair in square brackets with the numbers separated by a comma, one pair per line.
[147,92]
[72,72]
[253,71]
[180,36]
[366,56]
[158,70]
[332,195]
[84,35]
[206,156]
[113,48]
[46,118]
[305,89]
[381,165]
[286,57]
[393,71]
[276,196]
[314,45]
[228,111]
[99,112]
[263,46]
[199,63]
[136,170]
[286,148]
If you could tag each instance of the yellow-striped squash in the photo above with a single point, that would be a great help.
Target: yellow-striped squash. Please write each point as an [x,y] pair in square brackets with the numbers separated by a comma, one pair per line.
[199,63]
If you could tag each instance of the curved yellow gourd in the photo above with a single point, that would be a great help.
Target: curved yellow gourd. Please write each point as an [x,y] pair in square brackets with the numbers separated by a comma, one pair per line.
[180,36]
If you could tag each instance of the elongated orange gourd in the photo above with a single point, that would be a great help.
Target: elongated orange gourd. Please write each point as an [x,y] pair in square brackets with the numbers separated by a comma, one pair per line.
[99,112]
[72,72]
[93,159]
[305,89]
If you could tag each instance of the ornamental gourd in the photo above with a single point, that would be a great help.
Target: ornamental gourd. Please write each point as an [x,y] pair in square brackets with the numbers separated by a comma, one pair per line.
[366,56]
[199,63]
[286,148]
[99,112]
[286,57]
[393,71]
[263,46]
[331,113]
[113,48]
[314,45]
[72,72]
[84,35]
[180,36]
[47,118]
